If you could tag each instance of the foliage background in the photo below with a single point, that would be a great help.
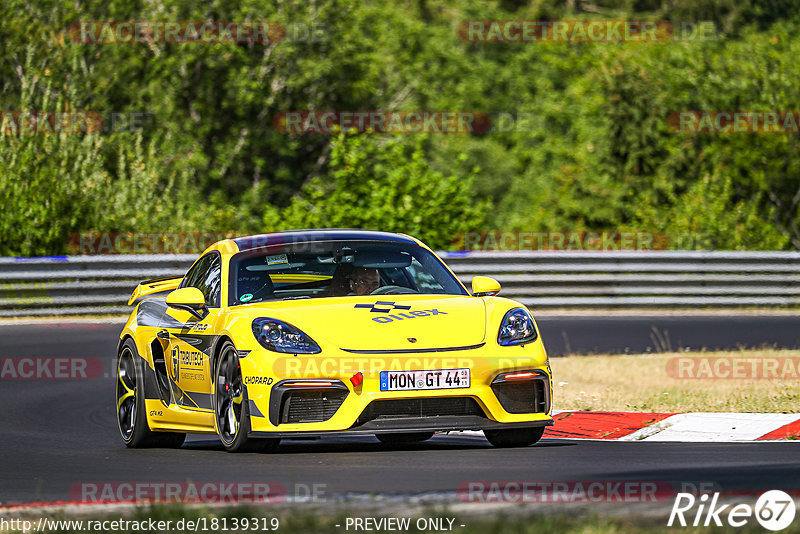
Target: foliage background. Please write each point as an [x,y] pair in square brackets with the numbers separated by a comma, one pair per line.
[596,153]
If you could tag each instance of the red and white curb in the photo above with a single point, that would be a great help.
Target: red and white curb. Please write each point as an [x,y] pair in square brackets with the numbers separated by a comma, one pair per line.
[694,427]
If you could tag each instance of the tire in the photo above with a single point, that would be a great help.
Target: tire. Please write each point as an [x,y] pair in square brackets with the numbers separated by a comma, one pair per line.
[516,437]
[231,406]
[400,438]
[131,409]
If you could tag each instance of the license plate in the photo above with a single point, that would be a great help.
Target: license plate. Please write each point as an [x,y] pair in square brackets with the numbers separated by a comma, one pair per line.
[426,379]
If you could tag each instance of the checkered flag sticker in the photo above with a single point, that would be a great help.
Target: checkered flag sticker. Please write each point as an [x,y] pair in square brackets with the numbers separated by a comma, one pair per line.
[383,307]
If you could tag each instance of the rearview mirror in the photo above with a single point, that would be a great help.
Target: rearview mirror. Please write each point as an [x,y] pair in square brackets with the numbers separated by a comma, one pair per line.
[387,259]
[188,299]
[483,286]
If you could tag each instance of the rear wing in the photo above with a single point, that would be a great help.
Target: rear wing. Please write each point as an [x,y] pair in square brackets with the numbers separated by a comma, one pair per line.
[153,287]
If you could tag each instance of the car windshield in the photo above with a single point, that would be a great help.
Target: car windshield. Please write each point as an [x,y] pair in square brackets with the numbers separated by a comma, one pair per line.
[337,269]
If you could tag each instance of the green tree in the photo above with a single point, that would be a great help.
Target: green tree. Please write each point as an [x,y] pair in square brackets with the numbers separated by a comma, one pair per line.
[382,183]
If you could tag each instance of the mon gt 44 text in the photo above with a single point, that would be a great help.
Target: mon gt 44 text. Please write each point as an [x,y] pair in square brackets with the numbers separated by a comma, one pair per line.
[329,332]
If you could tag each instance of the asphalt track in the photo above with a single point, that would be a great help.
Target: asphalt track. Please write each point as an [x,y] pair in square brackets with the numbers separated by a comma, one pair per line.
[57,434]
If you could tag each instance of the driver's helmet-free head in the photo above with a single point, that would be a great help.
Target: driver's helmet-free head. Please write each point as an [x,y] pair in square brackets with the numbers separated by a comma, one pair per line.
[365,280]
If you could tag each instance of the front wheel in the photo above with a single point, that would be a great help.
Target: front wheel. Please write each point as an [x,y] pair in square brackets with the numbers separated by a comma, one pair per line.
[400,438]
[514,437]
[231,406]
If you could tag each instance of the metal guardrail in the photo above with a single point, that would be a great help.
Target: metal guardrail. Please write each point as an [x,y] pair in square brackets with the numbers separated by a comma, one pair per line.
[78,285]
[638,279]
[70,285]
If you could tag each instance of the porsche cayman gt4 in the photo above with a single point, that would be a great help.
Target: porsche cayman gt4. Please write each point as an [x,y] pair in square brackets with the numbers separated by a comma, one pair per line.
[304,334]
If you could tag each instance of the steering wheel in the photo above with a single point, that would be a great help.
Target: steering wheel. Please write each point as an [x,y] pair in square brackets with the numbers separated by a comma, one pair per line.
[392,290]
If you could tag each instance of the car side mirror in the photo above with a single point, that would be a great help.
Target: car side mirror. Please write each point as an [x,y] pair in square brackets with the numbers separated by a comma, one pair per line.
[483,286]
[188,299]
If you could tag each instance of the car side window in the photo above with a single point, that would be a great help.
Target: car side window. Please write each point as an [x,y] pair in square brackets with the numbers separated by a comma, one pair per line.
[206,275]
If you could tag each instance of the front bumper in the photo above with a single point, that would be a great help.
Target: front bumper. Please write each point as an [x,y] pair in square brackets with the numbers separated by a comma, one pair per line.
[484,364]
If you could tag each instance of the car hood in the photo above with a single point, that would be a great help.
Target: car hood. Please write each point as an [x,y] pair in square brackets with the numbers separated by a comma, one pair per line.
[387,322]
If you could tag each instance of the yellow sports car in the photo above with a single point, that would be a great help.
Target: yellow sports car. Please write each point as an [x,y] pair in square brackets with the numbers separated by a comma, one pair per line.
[327,332]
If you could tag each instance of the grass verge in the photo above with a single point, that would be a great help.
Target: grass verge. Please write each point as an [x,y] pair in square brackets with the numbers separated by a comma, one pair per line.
[680,382]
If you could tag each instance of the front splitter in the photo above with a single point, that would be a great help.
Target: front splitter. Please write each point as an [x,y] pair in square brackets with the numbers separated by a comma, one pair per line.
[409,424]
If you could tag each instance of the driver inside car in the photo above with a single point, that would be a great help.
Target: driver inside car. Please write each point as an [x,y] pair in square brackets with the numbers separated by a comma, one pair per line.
[364,280]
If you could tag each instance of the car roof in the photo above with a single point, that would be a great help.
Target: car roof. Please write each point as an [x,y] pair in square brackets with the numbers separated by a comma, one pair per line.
[319,234]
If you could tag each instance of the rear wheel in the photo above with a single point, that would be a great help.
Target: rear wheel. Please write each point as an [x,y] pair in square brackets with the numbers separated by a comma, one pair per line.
[231,406]
[514,437]
[410,437]
[131,410]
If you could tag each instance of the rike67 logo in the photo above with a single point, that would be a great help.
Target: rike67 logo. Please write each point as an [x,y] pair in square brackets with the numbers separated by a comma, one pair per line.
[774,510]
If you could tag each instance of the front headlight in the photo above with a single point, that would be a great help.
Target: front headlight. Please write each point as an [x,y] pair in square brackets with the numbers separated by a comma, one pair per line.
[278,336]
[516,328]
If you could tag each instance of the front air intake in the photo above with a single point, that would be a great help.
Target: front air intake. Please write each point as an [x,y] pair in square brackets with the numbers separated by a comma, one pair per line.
[311,406]
[305,401]
[422,407]
[523,396]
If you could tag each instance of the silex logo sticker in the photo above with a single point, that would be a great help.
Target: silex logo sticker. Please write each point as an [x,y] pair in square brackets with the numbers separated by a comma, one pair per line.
[390,309]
